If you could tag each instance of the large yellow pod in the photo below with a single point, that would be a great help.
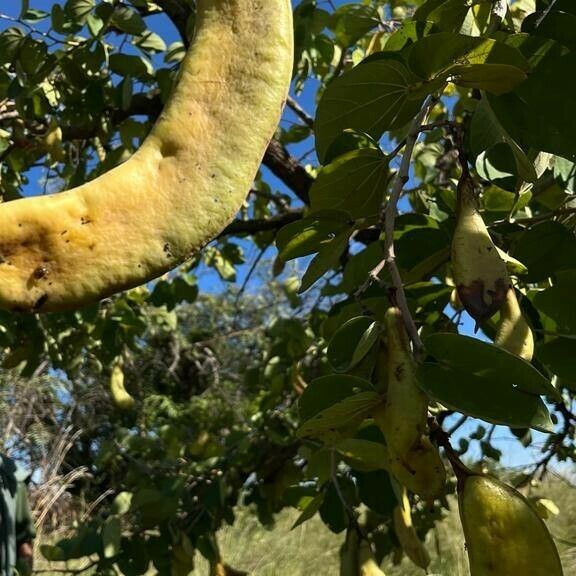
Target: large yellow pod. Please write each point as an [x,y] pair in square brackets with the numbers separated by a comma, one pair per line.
[179,190]
[504,534]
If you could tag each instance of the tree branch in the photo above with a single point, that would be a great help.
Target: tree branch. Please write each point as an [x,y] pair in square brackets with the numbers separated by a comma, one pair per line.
[288,169]
[262,225]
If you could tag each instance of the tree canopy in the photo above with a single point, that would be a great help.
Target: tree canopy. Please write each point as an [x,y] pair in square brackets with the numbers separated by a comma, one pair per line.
[256,367]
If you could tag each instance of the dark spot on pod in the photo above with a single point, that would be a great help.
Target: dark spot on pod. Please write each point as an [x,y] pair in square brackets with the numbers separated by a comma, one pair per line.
[20,225]
[472,298]
[40,272]
[40,302]
[85,220]
[92,246]
[63,232]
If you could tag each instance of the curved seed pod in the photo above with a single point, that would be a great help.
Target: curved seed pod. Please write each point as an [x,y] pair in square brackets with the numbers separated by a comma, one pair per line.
[120,396]
[413,460]
[406,404]
[479,272]
[514,334]
[367,565]
[504,534]
[412,545]
[179,190]
[349,553]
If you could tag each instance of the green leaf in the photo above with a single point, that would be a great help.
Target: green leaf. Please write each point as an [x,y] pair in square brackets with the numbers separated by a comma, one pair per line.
[128,20]
[310,510]
[558,355]
[483,397]
[32,15]
[446,14]
[441,53]
[557,302]
[376,491]
[52,553]
[373,97]
[78,10]
[121,504]
[351,342]
[175,52]
[421,251]
[534,114]
[489,361]
[134,559]
[494,78]
[323,392]
[486,131]
[354,183]
[328,257]
[150,42]
[409,32]
[348,412]
[546,249]
[332,510]
[558,26]
[306,237]
[128,65]
[364,455]
[10,41]
[352,21]
[111,537]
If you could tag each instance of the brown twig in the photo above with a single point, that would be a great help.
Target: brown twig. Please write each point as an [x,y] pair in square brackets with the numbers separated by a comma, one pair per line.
[389,218]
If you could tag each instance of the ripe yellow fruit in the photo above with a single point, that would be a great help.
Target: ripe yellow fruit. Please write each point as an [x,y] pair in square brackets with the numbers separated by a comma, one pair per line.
[120,396]
[221,569]
[480,273]
[179,190]
[367,565]
[504,534]
[514,334]
[412,458]
[411,544]
[53,143]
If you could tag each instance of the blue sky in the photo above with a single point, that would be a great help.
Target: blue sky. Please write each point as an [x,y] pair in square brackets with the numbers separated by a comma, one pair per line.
[513,454]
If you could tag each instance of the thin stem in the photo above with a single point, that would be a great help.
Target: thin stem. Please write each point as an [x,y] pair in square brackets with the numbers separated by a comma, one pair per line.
[300,112]
[461,421]
[389,217]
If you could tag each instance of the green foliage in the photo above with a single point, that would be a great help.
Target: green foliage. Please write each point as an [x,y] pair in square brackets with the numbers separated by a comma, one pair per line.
[262,398]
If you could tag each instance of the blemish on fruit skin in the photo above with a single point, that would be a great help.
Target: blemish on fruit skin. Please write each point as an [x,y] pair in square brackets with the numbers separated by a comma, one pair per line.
[40,272]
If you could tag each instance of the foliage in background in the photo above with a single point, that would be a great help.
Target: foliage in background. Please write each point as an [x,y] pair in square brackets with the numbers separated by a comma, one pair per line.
[223,384]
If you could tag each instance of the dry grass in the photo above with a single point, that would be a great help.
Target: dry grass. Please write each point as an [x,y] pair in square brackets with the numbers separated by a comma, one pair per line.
[312,549]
